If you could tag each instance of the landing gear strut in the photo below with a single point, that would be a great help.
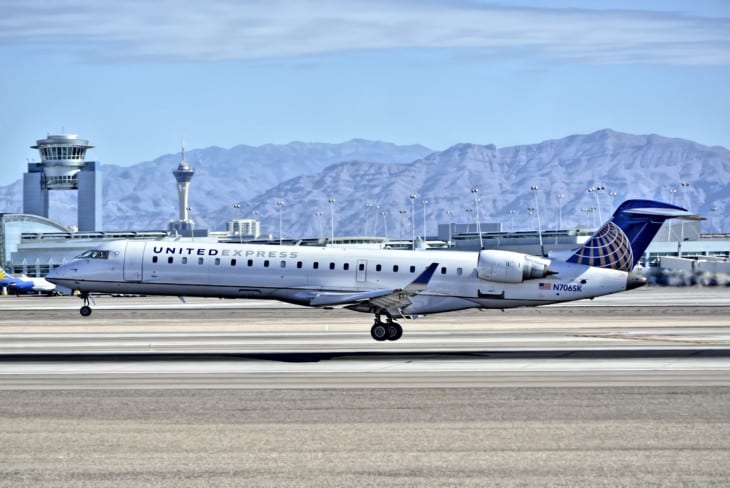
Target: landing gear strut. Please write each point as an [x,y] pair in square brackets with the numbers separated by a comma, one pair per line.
[386,331]
[85,309]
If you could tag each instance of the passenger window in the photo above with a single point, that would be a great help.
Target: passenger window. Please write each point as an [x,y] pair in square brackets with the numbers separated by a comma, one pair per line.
[266,263]
[315,265]
[443,269]
[233,262]
[361,267]
[217,261]
[154,259]
[299,265]
[249,263]
[185,260]
[282,264]
[332,265]
[459,271]
[200,260]
[378,267]
[346,266]
[395,268]
[169,260]
[413,269]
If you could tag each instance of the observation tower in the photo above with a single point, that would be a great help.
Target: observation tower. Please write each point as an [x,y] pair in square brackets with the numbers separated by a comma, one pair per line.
[184,225]
[63,167]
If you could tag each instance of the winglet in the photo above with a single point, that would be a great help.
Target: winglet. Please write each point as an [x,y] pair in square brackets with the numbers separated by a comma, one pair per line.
[421,282]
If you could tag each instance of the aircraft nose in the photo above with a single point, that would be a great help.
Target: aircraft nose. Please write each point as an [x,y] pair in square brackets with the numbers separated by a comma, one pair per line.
[635,280]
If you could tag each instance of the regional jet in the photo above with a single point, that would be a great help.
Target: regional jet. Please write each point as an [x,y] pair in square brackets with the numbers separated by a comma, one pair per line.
[390,284]
[24,284]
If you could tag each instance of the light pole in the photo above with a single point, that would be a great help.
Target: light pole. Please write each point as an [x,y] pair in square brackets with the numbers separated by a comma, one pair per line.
[237,206]
[511,220]
[412,196]
[384,213]
[424,202]
[531,212]
[375,222]
[475,192]
[450,213]
[712,219]
[534,189]
[468,218]
[671,191]
[560,210]
[685,185]
[560,215]
[332,219]
[368,206]
[321,227]
[402,214]
[595,190]
[613,194]
[280,204]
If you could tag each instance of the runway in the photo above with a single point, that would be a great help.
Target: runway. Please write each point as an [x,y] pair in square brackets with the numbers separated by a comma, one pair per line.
[628,339]
[628,390]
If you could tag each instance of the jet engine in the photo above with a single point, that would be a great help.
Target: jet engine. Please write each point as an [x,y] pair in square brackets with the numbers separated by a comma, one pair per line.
[511,267]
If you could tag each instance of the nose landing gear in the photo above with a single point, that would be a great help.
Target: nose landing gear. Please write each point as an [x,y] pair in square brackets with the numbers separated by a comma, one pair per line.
[85,310]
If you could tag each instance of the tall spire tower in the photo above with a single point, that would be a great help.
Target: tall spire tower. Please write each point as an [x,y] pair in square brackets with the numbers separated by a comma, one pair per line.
[183,174]
[184,225]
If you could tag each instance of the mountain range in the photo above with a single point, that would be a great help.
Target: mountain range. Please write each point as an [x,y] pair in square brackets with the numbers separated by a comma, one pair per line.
[370,183]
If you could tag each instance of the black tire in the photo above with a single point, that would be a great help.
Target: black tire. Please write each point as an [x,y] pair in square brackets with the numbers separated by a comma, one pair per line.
[395,331]
[85,311]
[379,332]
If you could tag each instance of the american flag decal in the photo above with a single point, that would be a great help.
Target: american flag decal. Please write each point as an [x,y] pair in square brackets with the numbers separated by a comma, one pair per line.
[545,286]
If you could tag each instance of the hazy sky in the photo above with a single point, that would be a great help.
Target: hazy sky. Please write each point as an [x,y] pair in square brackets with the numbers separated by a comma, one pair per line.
[134,77]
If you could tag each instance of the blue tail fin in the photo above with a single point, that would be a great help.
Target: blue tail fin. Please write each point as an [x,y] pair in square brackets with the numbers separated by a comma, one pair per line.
[622,240]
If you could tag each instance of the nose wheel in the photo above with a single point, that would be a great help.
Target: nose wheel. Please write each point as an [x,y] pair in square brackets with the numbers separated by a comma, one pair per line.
[85,310]
[386,331]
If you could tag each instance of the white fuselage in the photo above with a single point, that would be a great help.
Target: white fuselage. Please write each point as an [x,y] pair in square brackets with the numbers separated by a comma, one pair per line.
[293,273]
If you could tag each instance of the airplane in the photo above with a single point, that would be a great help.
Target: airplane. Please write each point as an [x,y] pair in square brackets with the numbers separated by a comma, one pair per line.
[24,284]
[390,284]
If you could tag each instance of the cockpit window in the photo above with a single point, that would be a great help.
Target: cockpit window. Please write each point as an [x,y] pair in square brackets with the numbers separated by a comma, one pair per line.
[94,254]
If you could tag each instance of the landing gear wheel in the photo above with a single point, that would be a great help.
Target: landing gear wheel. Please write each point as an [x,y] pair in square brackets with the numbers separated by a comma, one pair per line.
[85,309]
[395,331]
[379,331]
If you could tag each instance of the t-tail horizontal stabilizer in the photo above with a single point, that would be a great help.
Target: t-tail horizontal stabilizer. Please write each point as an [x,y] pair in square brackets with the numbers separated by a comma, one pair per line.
[620,243]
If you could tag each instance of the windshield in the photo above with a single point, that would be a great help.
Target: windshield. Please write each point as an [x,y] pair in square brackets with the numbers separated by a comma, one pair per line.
[93,254]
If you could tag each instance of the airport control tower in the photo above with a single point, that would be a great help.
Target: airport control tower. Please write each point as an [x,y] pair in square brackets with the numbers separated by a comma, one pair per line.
[183,174]
[63,167]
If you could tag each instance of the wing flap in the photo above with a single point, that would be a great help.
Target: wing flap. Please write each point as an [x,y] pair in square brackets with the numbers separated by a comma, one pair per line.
[386,299]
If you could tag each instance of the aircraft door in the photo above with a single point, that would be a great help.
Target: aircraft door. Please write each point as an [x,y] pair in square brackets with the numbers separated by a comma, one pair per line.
[133,254]
[361,272]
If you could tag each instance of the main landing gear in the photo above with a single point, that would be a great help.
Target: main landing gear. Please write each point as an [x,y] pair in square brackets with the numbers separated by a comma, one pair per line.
[85,308]
[386,331]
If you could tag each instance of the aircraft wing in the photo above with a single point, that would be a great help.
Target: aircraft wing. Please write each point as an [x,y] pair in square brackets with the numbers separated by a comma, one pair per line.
[382,299]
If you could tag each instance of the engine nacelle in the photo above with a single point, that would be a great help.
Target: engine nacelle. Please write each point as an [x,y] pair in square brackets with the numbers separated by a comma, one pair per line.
[511,267]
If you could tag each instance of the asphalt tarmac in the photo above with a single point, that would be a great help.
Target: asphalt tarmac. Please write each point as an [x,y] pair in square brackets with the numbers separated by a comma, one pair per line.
[628,390]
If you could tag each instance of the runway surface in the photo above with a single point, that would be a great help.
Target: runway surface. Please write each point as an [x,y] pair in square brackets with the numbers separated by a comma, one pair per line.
[627,390]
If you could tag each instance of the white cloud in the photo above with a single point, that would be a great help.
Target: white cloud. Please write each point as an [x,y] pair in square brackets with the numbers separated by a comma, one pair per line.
[168,30]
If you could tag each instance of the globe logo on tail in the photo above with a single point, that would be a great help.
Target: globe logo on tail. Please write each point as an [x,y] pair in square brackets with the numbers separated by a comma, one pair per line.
[608,248]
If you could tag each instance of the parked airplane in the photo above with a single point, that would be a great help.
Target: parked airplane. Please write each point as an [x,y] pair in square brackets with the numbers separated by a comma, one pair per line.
[24,284]
[392,284]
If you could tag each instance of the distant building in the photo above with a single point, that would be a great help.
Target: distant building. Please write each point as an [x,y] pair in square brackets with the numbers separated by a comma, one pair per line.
[63,167]
[244,228]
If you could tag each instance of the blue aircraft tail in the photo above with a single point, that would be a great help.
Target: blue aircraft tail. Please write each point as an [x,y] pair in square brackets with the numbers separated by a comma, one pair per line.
[620,243]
